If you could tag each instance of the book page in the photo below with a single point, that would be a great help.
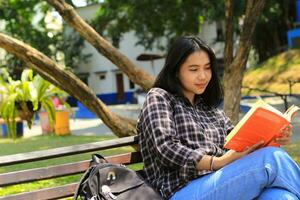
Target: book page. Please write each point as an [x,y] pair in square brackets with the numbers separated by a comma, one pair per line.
[291,112]
[270,108]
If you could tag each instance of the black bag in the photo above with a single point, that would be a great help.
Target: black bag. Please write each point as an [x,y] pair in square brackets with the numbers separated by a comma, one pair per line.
[106,181]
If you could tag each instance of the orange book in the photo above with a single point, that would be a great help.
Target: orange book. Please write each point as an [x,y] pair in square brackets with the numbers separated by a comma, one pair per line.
[261,123]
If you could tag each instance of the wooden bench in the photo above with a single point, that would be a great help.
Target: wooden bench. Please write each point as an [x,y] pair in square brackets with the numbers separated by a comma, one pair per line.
[50,172]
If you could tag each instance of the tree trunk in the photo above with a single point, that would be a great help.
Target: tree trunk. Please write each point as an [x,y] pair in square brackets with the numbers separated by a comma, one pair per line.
[135,74]
[55,74]
[233,74]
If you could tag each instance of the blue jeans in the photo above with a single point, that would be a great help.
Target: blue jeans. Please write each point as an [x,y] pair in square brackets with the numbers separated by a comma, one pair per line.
[268,173]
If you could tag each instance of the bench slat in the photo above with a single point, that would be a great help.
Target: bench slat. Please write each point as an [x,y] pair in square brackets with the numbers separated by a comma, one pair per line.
[24,176]
[45,194]
[62,170]
[64,151]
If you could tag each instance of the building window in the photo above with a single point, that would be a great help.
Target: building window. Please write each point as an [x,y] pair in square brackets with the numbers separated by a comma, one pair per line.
[101,75]
[83,77]
[131,85]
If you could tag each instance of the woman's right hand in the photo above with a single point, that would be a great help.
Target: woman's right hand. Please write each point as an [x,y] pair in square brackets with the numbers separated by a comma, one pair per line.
[232,155]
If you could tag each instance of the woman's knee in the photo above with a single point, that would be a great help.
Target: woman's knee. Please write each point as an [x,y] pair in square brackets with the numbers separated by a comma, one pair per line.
[276,159]
[272,155]
[272,152]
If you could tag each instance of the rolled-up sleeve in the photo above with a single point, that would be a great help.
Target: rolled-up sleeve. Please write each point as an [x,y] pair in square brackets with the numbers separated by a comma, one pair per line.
[160,126]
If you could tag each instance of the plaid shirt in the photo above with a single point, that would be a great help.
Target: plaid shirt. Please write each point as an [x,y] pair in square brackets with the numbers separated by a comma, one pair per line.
[174,135]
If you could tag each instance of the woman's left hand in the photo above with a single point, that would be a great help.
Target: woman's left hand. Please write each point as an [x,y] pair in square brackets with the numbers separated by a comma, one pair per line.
[286,135]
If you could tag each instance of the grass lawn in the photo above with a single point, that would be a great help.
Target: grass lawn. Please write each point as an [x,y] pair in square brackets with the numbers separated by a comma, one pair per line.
[50,141]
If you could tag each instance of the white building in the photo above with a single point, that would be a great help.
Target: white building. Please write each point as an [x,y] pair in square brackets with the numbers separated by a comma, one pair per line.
[108,82]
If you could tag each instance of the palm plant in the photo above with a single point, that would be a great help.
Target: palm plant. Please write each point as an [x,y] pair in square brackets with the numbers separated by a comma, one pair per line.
[22,98]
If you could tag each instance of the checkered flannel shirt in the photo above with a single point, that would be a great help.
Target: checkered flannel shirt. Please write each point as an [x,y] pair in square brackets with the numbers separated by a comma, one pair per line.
[174,135]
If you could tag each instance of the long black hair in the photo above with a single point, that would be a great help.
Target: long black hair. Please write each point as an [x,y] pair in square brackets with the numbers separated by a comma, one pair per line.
[183,47]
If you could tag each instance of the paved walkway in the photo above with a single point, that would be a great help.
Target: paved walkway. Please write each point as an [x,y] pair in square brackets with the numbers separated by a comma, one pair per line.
[77,127]
[89,126]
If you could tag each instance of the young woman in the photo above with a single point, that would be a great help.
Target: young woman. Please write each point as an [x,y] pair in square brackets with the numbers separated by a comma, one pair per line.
[181,135]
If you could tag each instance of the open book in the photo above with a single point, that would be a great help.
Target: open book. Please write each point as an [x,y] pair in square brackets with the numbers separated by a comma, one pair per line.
[261,122]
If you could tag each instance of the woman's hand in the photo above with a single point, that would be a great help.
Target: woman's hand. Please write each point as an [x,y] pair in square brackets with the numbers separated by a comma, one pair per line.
[232,155]
[286,135]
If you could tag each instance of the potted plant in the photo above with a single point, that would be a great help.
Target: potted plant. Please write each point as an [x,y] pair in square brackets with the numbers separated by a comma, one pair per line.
[22,98]
[62,112]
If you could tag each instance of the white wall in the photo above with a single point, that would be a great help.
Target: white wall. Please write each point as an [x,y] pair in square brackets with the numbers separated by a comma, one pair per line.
[98,63]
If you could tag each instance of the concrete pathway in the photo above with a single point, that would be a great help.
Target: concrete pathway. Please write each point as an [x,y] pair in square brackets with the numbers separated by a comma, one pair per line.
[77,127]
[89,126]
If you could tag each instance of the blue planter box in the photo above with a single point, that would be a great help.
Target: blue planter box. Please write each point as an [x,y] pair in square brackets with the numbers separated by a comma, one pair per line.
[20,129]
[83,112]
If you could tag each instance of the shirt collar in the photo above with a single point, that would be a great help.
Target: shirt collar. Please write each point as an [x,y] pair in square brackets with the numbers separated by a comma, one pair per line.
[199,102]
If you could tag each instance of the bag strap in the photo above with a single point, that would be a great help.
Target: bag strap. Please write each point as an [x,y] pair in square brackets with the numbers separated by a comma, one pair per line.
[96,159]
[79,187]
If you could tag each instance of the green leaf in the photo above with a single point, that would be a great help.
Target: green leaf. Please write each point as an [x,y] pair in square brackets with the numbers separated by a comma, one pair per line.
[27,75]
[50,109]
[41,86]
